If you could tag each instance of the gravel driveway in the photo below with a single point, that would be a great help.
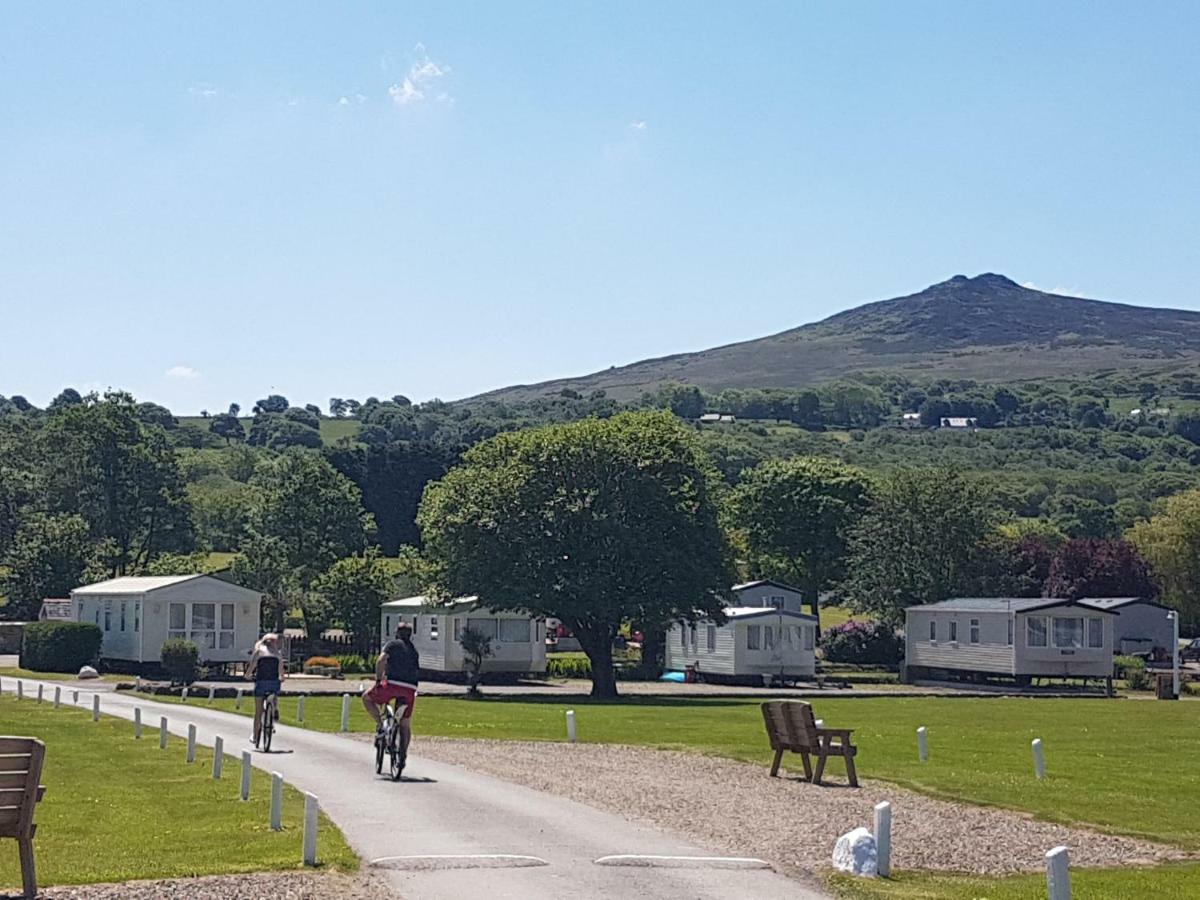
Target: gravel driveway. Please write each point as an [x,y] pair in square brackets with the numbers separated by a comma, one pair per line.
[267,886]
[737,808]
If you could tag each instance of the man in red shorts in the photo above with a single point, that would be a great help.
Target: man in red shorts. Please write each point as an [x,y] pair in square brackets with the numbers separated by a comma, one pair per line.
[396,677]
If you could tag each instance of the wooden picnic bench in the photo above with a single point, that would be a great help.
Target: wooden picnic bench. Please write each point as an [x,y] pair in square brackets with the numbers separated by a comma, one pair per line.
[21,761]
[791,726]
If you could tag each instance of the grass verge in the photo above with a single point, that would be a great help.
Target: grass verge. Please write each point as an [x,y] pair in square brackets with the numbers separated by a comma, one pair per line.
[118,809]
[14,672]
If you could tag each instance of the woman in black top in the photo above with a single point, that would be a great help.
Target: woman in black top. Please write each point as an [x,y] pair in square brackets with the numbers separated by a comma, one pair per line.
[266,669]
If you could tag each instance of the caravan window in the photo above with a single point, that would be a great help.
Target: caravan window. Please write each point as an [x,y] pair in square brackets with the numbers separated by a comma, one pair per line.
[177,621]
[753,637]
[204,626]
[107,615]
[953,631]
[712,638]
[1035,631]
[1095,633]
[486,627]
[775,602]
[137,615]
[683,637]
[457,630]
[433,628]
[974,631]
[514,631]
[808,636]
[1068,632]
[225,634]
[122,615]
[1010,632]
[768,637]
[933,631]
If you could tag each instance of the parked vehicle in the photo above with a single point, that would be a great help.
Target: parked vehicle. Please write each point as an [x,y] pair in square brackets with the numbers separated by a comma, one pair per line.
[1191,650]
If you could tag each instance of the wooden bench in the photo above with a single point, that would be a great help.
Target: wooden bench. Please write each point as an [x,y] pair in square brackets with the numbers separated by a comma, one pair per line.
[792,727]
[20,773]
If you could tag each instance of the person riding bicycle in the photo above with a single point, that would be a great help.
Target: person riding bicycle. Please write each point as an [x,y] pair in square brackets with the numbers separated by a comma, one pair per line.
[396,673]
[266,669]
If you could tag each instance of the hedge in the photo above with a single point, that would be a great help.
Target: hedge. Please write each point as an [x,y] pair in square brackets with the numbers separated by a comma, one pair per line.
[59,646]
[862,643]
[181,659]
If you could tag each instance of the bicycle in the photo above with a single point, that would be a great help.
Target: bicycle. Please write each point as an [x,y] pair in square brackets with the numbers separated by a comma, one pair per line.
[391,743]
[268,721]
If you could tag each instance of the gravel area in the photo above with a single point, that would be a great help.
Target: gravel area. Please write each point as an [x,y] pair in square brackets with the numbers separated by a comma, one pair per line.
[737,808]
[265,886]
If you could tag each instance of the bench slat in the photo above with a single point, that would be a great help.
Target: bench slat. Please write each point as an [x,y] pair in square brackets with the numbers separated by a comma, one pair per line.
[20,745]
[15,763]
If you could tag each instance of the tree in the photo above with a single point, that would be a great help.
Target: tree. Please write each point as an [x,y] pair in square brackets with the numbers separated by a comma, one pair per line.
[263,566]
[337,407]
[312,511]
[916,543]
[476,648]
[595,523]
[275,403]
[1170,544]
[356,587]
[796,516]
[65,400]
[278,432]
[228,426]
[684,400]
[1187,426]
[234,409]
[315,410]
[121,475]
[1090,567]
[49,558]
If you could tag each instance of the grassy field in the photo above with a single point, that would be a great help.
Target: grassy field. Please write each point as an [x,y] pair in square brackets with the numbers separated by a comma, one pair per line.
[117,809]
[1111,764]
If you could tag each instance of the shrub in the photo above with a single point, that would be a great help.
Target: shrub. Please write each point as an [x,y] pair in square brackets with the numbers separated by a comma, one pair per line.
[1138,680]
[353,664]
[181,660]
[571,667]
[863,643]
[1123,664]
[323,662]
[59,646]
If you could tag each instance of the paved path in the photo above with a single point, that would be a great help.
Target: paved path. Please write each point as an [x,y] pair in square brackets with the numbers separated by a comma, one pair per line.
[520,843]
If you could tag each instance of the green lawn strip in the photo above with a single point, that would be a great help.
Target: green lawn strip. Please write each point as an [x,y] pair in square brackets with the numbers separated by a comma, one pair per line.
[1116,765]
[118,808]
[12,672]
[1169,882]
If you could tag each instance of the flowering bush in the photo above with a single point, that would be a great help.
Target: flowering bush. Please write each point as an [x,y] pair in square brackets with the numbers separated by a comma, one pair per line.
[862,643]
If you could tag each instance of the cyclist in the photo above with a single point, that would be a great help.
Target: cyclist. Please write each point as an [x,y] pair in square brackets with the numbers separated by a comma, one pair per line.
[395,678]
[266,670]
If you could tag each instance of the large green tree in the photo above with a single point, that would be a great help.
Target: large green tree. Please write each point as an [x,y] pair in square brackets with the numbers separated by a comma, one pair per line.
[1170,543]
[918,541]
[596,523]
[121,475]
[795,517]
[356,586]
[50,557]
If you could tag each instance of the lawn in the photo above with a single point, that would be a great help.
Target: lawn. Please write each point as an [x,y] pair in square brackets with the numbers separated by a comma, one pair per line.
[14,672]
[1114,764]
[118,809]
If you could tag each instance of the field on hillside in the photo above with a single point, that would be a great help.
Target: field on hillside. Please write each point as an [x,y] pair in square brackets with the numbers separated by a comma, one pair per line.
[117,809]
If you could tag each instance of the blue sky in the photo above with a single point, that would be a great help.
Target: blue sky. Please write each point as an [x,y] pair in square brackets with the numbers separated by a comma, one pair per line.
[205,202]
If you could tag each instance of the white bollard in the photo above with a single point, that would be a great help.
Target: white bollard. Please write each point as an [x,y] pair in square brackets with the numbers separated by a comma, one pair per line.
[57,697]
[162,733]
[276,801]
[1039,758]
[218,756]
[137,684]
[570,726]
[1058,874]
[345,712]
[300,710]
[191,745]
[137,723]
[40,692]
[183,695]
[245,774]
[95,707]
[883,838]
[237,703]
[922,744]
[211,693]
[20,689]
[310,829]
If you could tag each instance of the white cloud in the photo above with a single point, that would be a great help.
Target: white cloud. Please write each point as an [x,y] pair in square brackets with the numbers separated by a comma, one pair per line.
[344,101]
[640,125]
[421,76]
[185,373]
[1061,291]
[204,91]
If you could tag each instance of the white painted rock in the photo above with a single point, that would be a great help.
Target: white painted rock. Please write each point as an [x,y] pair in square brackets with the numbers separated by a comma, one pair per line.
[88,672]
[856,853]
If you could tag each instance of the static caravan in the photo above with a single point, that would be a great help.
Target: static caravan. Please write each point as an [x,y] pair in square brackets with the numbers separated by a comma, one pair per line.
[137,614]
[1016,637]
[1141,625]
[769,595]
[518,640]
[754,641]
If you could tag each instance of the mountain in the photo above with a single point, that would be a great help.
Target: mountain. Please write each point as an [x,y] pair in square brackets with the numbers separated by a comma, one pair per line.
[987,327]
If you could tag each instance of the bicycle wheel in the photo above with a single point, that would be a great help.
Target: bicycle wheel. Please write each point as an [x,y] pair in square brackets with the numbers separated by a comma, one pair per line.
[396,751]
[268,726]
[380,749]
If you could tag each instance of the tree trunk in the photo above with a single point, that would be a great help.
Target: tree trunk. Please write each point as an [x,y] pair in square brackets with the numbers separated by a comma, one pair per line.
[812,596]
[597,644]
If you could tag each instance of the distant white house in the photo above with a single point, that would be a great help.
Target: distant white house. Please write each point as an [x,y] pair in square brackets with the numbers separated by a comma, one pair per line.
[56,610]
[959,422]
[717,419]
[1017,637]
[910,420]
[518,639]
[136,615]
[765,634]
